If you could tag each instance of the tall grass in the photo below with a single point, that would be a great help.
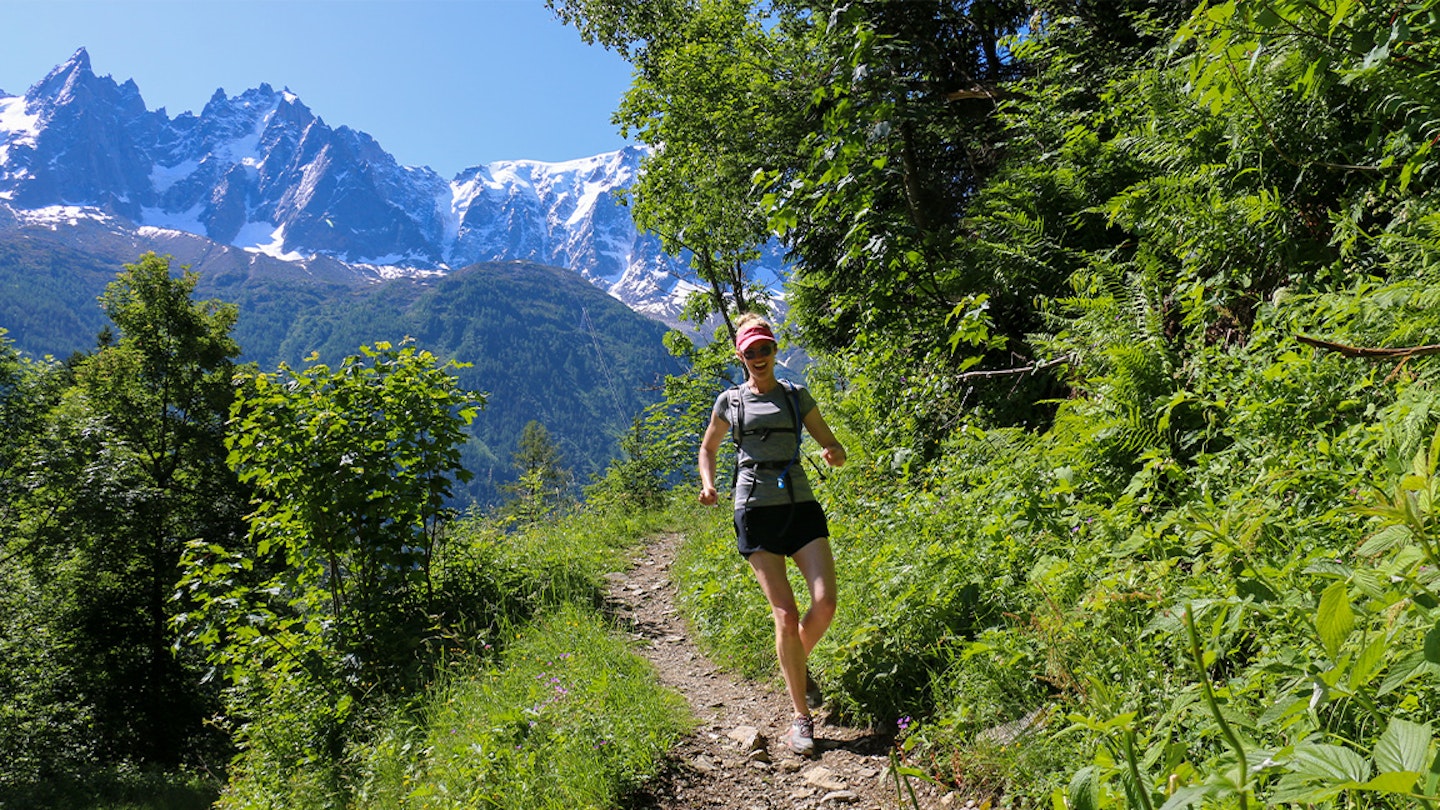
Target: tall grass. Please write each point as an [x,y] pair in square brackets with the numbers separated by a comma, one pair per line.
[569,718]
[536,702]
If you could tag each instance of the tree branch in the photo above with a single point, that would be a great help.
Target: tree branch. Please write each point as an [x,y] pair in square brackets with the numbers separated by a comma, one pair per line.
[1006,372]
[1361,351]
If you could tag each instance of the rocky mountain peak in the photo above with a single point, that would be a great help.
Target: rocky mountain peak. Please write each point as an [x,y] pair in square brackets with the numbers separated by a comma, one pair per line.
[65,76]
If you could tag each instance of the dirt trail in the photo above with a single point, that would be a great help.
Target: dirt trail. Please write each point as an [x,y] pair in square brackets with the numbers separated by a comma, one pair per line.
[735,759]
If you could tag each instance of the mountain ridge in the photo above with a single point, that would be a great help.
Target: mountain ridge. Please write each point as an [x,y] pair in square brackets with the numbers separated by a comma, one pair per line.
[261,172]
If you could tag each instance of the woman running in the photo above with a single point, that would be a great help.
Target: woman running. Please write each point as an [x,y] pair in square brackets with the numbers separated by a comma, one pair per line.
[776,514]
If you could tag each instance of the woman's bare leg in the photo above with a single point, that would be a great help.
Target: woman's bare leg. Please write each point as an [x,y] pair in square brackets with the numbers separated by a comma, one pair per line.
[817,565]
[796,636]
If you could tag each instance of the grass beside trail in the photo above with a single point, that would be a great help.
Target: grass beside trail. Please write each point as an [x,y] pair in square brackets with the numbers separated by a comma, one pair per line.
[548,707]
[569,718]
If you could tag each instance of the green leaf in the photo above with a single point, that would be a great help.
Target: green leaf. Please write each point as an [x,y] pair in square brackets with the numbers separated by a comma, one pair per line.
[1375,56]
[1189,796]
[1402,671]
[1084,792]
[1368,664]
[1403,747]
[1432,644]
[1386,539]
[1392,782]
[1342,12]
[1283,709]
[1333,762]
[1334,619]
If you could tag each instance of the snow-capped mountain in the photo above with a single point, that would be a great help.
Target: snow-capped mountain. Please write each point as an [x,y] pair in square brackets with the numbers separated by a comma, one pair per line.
[261,172]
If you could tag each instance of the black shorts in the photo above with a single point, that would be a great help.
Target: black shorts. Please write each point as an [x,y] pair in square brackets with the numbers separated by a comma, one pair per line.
[783,529]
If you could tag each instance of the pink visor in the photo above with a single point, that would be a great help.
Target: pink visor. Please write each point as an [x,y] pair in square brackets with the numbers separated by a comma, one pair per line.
[752,334]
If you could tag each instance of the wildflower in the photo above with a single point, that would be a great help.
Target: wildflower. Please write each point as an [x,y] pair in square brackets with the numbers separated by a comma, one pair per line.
[904,723]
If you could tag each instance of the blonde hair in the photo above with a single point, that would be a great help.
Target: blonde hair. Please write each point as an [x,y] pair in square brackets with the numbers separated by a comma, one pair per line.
[750,319]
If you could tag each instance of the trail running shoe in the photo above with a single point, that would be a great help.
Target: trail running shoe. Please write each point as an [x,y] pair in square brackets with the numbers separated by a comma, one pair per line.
[814,698]
[801,736]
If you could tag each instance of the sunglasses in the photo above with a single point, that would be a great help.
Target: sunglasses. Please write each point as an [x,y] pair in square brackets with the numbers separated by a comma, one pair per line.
[763,350]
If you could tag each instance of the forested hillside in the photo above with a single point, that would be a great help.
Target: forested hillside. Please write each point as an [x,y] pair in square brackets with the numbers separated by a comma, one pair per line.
[544,345]
[549,346]
[1126,313]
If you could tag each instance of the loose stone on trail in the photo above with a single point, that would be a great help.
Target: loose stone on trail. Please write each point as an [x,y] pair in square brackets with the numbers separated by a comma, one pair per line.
[748,737]
[822,777]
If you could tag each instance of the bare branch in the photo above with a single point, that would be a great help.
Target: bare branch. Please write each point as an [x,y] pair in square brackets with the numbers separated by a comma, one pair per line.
[1361,351]
[1006,372]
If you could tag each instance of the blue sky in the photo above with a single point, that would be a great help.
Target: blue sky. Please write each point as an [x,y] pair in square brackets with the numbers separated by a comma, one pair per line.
[440,83]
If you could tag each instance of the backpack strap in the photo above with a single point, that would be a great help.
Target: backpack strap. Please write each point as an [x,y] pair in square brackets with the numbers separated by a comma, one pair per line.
[737,430]
[737,404]
[793,397]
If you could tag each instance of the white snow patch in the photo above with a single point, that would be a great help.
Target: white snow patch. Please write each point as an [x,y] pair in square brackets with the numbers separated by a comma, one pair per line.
[163,177]
[188,220]
[53,216]
[389,259]
[264,237]
[589,198]
[450,206]
[16,121]
[244,150]
[151,230]
[17,127]
[391,271]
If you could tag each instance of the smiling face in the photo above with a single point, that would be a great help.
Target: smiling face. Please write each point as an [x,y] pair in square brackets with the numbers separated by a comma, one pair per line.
[755,347]
[759,358]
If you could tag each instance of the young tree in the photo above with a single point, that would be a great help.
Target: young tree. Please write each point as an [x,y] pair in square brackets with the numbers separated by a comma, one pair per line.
[352,468]
[544,484]
[28,389]
[720,92]
[857,132]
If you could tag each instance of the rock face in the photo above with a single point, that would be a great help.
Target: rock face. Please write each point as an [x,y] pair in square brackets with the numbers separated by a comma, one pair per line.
[261,172]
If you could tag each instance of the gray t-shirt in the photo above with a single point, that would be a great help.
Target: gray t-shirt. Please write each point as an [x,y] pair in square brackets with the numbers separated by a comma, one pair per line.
[764,413]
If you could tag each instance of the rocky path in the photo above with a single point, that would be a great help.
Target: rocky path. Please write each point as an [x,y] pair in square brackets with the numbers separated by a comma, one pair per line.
[735,759]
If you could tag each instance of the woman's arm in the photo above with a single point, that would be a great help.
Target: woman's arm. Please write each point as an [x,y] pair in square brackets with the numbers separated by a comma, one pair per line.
[709,449]
[830,447]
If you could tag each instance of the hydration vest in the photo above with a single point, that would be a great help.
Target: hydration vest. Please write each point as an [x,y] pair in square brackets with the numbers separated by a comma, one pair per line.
[738,434]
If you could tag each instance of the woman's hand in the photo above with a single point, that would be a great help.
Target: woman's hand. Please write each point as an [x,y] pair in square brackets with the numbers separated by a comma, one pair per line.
[831,449]
[708,496]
